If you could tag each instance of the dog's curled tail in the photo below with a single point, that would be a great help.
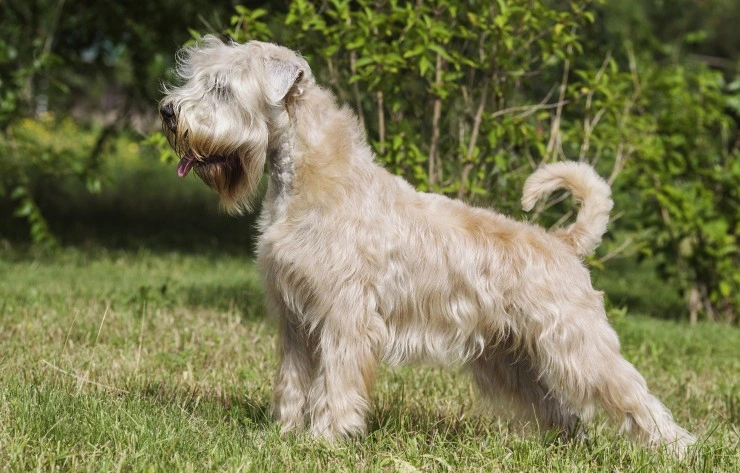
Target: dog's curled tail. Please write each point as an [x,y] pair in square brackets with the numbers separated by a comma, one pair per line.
[588,189]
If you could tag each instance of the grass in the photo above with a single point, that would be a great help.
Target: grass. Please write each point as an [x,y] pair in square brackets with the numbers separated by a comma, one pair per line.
[162,361]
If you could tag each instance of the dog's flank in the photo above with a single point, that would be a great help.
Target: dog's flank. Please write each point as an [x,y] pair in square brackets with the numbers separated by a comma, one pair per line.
[360,268]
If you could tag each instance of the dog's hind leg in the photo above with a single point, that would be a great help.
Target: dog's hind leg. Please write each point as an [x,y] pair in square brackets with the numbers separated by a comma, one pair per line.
[504,373]
[581,362]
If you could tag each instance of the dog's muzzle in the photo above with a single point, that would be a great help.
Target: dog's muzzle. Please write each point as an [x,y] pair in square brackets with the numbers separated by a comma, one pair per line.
[167,112]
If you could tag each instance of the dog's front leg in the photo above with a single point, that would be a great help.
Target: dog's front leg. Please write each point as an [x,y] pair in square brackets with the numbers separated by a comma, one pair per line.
[346,367]
[297,366]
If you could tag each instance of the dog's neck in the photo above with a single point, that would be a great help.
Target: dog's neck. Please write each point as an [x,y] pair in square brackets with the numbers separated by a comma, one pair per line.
[280,167]
[303,127]
[280,164]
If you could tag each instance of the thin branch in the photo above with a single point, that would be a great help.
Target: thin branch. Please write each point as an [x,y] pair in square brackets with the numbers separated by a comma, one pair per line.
[546,204]
[617,251]
[52,31]
[355,85]
[555,127]
[590,124]
[588,129]
[623,155]
[468,166]
[381,121]
[563,218]
[436,114]
[715,61]
[356,89]
[29,94]
[620,159]
[528,110]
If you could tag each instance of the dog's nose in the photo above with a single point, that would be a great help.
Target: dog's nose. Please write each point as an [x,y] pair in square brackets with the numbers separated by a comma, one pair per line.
[167,112]
[168,117]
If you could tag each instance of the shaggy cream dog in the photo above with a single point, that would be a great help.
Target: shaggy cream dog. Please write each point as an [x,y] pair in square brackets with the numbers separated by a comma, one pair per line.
[359,268]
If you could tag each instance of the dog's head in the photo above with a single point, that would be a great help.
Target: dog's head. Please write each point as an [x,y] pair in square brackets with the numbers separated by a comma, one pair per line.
[220,116]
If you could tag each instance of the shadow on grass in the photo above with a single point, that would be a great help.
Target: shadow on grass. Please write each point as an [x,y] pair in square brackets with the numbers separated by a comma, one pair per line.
[247,411]
[251,411]
[244,299]
[433,425]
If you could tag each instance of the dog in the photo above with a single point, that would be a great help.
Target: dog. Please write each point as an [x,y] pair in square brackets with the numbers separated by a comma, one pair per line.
[359,268]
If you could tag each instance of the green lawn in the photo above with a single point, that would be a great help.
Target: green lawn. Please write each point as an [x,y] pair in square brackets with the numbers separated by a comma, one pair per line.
[156,361]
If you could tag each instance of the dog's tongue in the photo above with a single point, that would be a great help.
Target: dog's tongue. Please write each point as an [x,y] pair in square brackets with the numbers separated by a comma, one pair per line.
[185,165]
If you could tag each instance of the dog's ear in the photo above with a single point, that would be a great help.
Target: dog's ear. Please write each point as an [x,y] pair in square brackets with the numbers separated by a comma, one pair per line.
[283,76]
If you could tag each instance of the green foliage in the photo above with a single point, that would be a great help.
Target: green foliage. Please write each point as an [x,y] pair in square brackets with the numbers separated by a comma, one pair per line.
[461,98]
[687,168]
[18,67]
[21,63]
[101,59]
[704,31]
[46,148]
[468,98]
[444,89]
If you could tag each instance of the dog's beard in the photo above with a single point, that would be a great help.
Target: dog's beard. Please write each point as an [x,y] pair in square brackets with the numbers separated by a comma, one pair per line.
[224,174]
[232,170]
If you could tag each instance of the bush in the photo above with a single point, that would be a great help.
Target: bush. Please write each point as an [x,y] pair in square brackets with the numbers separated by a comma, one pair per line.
[468,98]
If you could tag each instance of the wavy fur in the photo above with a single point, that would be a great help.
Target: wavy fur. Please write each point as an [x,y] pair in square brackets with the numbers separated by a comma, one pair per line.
[588,189]
[359,268]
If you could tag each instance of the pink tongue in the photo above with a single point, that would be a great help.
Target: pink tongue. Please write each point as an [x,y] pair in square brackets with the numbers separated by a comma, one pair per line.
[184,166]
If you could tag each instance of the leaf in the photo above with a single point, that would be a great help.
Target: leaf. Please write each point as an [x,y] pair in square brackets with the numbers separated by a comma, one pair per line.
[24,210]
[424,65]
[357,43]
[93,184]
[19,192]
[364,61]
